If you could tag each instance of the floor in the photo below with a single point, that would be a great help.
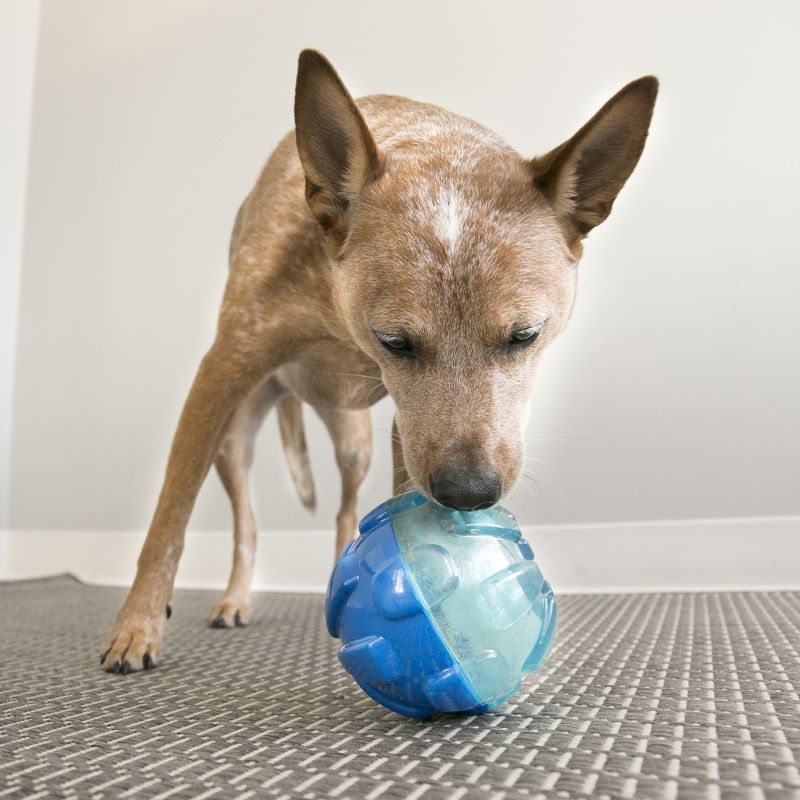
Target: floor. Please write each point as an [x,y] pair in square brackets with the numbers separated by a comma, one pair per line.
[644,696]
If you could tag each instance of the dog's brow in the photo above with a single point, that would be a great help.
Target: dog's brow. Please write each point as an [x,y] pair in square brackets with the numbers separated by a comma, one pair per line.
[387,322]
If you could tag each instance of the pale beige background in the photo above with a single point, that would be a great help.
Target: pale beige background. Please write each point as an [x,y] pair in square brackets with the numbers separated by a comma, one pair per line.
[674,393]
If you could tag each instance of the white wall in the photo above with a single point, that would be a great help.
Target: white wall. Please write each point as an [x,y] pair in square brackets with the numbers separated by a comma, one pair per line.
[17,60]
[674,393]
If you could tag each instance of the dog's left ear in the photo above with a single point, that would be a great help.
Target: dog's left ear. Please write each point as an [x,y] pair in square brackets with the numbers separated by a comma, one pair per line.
[336,148]
[582,177]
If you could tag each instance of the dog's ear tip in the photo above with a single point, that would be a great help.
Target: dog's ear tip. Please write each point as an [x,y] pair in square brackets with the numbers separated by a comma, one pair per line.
[647,86]
[310,58]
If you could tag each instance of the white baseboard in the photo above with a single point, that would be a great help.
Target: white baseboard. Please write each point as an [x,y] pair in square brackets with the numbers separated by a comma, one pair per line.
[670,555]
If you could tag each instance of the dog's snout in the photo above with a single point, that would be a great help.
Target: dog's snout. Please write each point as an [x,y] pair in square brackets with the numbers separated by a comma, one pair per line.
[465,490]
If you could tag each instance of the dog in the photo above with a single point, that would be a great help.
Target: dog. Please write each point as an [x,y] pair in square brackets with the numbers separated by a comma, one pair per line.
[388,246]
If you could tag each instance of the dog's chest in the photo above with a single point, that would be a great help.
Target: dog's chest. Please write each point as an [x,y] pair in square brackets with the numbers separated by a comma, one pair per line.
[334,376]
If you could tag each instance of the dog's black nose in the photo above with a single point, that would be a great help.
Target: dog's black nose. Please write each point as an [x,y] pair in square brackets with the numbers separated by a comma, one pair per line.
[465,490]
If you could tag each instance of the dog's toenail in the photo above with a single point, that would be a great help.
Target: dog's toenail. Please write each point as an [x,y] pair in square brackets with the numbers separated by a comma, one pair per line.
[238,620]
[218,623]
[126,668]
[169,611]
[103,657]
[147,662]
[115,667]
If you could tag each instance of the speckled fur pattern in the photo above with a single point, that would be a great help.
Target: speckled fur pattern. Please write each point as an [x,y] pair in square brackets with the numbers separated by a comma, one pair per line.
[380,218]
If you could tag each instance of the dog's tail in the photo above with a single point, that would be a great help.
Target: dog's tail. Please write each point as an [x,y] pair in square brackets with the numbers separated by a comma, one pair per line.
[293,436]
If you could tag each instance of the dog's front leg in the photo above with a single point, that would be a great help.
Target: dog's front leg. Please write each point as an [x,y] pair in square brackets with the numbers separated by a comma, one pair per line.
[225,376]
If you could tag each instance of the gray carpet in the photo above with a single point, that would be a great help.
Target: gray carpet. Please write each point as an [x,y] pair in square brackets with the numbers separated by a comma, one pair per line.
[644,696]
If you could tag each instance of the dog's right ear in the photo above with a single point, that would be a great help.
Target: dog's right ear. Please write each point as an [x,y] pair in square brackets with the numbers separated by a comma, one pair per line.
[338,153]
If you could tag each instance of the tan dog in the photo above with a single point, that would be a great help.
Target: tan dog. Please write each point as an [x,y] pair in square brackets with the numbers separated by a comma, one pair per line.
[388,245]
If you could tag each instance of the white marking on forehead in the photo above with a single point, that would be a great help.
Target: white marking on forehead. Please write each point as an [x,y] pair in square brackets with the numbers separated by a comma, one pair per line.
[448,217]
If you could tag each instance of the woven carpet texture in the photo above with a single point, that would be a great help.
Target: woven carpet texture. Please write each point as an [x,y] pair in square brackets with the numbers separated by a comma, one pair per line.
[644,696]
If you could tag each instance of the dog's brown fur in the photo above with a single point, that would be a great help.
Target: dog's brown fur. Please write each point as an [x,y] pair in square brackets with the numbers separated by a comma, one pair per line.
[425,230]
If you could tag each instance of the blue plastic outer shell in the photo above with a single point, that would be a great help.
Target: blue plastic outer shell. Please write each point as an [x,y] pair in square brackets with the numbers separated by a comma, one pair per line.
[392,649]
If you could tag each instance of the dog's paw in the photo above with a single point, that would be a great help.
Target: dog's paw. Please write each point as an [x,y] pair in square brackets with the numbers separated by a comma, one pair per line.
[131,646]
[230,612]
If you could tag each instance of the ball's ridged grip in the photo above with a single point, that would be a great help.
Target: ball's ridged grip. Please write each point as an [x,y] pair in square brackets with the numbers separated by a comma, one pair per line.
[397,597]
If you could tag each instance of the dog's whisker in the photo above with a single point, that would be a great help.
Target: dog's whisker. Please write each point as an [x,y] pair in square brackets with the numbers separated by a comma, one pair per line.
[354,375]
[405,486]
[529,482]
[388,435]
[538,460]
[554,437]
[393,432]
[549,482]
[323,307]
[372,391]
[520,485]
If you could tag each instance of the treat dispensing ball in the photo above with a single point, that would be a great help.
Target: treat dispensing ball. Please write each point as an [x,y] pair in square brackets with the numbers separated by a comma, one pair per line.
[439,610]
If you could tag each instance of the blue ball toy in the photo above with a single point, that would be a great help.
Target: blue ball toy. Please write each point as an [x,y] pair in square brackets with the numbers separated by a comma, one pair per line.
[439,610]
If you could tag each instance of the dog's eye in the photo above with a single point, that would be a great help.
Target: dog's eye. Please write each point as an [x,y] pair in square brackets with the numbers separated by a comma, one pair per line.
[396,344]
[525,336]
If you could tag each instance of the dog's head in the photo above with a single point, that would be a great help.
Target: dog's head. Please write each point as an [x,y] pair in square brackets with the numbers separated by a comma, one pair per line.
[455,262]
